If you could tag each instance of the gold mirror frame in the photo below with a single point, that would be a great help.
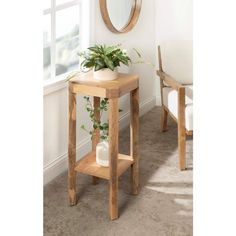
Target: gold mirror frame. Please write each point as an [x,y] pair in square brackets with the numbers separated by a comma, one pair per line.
[133,18]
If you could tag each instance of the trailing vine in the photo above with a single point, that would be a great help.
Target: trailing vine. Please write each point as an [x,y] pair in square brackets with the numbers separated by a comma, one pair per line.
[97,123]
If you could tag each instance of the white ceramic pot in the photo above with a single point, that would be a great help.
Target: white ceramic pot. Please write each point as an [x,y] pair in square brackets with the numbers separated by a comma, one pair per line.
[102,153]
[105,74]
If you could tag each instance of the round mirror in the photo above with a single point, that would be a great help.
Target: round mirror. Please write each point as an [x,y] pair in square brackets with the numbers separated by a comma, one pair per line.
[120,16]
[120,12]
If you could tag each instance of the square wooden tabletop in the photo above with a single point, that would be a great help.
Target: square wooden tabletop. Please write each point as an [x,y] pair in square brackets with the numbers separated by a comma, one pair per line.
[85,83]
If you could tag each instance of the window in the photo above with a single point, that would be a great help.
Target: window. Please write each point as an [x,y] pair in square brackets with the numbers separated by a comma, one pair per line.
[65,32]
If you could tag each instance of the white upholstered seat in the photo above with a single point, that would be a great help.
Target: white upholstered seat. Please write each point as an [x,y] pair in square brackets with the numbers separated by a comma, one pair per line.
[170,100]
[176,74]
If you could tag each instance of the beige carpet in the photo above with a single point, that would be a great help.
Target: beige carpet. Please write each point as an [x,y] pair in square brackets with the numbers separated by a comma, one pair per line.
[163,207]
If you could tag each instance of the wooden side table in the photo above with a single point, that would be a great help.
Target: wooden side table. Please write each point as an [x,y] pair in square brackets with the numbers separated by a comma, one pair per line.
[118,163]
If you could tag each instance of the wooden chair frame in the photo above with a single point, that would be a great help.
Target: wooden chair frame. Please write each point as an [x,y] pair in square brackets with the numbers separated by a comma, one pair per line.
[182,131]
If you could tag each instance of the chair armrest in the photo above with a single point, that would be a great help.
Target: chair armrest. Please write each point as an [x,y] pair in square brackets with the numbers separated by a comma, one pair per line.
[169,80]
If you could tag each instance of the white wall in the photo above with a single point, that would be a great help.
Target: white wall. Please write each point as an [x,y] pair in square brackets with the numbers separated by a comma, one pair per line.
[173,21]
[141,37]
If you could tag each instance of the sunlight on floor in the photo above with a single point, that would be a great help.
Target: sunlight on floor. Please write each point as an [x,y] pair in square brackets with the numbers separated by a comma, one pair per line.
[171,188]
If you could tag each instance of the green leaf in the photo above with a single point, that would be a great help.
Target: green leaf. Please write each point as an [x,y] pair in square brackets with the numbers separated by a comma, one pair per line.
[105,125]
[111,50]
[98,67]
[99,62]
[87,64]
[124,60]
[109,63]
[94,49]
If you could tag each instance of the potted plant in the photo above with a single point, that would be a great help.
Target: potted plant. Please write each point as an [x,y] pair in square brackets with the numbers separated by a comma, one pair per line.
[104,61]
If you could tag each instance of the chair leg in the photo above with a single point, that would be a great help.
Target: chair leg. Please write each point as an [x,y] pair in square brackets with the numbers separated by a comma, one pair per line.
[182,147]
[181,128]
[164,120]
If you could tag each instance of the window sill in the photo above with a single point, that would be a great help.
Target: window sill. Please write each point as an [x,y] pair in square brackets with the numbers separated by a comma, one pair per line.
[56,84]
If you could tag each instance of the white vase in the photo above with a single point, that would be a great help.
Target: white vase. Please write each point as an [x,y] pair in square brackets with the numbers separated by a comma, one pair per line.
[105,74]
[102,153]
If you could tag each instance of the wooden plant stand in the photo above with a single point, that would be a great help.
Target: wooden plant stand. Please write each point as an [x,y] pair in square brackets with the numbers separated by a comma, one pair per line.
[118,163]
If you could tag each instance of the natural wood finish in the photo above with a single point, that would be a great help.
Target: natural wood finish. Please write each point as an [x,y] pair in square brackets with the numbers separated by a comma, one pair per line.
[134,143]
[133,18]
[118,163]
[113,155]
[181,129]
[164,118]
[72,149]
[161,70]
[88,165]
[170,113]
[170,81]
[160,59]
[86,84]
[96,133]
[188,132]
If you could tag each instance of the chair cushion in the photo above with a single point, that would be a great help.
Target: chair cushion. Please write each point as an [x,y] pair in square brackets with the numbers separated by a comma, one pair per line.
[170,100]
[177,59]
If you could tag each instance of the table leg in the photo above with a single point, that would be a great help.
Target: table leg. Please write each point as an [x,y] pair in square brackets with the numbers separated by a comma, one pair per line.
[134,146]
[72,149]
[96,136]
[113,157]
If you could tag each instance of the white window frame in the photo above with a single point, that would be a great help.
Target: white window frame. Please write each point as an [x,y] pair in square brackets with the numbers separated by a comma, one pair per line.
[56,83]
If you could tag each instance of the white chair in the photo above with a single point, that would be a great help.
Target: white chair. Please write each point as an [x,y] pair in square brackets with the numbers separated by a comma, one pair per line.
[176,83]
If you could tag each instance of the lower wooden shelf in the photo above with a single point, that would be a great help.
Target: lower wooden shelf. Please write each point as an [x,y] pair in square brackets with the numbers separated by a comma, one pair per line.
[88,165]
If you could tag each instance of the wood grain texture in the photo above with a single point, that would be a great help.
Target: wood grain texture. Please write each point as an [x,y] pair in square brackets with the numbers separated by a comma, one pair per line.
[133,18]
[96,133]
[181,128]
[88,165]
[113,155]
[134,142]
[86,84]
[72,149]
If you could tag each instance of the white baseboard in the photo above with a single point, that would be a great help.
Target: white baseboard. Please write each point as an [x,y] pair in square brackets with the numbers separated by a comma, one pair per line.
[144,108]
[59,165]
